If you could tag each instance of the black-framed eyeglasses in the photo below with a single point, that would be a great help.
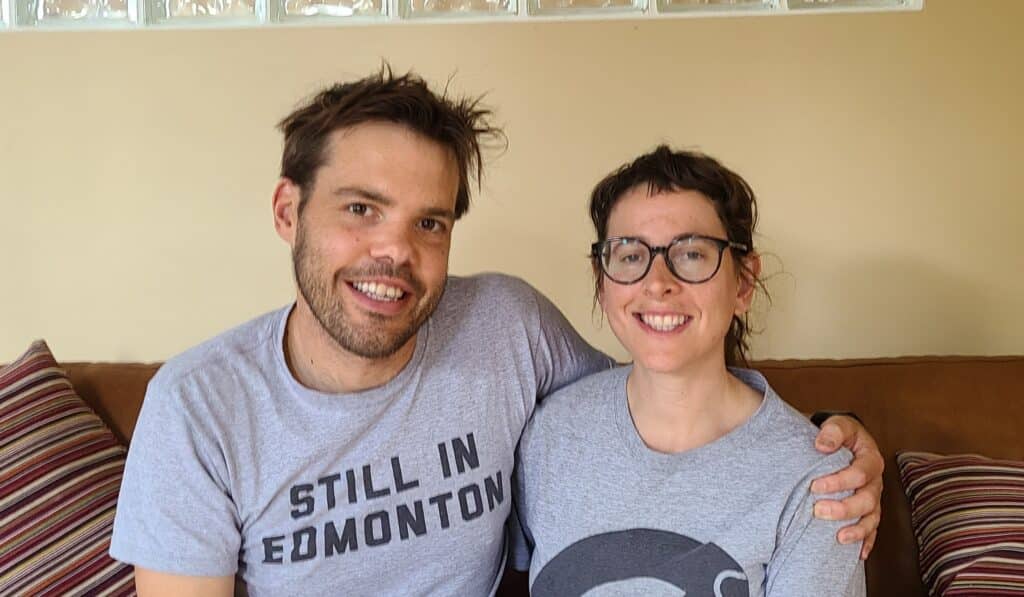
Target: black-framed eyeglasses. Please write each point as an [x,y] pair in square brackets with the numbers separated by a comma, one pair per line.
[692,258]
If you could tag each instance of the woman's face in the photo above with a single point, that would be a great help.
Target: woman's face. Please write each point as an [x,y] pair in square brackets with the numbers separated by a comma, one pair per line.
[668,325]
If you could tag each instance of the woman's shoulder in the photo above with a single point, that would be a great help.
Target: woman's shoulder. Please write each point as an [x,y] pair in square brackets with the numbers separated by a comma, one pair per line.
[794,435]
[789,433]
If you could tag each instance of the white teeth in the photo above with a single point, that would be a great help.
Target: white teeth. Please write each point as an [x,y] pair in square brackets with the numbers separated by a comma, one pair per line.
[663,323]
[379,292]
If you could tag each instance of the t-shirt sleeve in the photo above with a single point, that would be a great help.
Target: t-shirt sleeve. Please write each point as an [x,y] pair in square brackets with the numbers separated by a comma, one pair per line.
[520,538]
[561,355]
[808,560]
[520,541]
[175,513]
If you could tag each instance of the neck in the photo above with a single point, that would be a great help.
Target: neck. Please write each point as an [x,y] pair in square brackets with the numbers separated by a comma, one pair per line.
[678,411]
[317,361]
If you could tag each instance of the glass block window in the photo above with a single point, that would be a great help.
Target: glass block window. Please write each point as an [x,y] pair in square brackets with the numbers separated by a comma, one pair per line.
[585,6]
[697,5]
[455,8]
[844,3]
[48,11]
[333,8]
[141,14]
[201,10]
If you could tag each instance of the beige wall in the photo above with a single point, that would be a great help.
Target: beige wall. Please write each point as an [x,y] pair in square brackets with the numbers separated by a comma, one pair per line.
[136,168]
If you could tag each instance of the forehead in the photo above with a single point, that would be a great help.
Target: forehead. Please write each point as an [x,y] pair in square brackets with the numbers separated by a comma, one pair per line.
[390,159]
[670,213]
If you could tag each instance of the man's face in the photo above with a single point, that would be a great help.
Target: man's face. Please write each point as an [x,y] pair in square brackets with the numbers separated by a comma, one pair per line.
[371,245]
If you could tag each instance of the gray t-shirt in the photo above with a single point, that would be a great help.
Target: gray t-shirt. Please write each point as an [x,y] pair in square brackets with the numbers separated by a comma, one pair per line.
[235,467]
[604,513]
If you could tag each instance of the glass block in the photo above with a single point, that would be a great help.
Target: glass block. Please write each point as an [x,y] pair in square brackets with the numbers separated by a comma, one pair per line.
[333,8]
[795,4]
[698,5]
[201,10]
[456,8]
[63,11]
[584,6]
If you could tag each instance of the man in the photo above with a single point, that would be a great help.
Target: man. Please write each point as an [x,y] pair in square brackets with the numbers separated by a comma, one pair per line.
[361,441]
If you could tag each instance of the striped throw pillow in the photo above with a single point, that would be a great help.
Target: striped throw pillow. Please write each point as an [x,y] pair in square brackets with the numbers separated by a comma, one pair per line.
[968,515]
[60,469]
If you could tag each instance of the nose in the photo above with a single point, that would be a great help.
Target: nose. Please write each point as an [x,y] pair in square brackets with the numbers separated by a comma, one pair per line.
[392,243]
[659,281]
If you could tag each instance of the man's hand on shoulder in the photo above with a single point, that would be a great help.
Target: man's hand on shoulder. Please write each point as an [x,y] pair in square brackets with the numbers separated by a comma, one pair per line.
[863,477]
[150,583]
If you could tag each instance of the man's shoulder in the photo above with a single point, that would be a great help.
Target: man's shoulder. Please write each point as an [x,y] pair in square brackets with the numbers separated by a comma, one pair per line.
[492,301]
[490,286]
[242,344]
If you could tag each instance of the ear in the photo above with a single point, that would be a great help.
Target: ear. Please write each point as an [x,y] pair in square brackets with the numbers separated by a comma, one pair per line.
[287,196]
[748,276]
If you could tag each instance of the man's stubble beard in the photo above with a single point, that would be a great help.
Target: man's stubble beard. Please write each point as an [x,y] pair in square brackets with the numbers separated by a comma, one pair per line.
[321,295]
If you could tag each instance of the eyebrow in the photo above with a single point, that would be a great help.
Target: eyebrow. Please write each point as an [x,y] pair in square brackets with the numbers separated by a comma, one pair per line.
[369,195]
[381,199]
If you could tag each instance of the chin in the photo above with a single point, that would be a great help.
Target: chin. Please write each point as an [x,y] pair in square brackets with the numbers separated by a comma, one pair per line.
[375,346]
[659,363]
[676,362]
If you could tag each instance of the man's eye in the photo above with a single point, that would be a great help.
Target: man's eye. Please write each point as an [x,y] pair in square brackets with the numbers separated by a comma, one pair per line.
[359,209]
[431,225]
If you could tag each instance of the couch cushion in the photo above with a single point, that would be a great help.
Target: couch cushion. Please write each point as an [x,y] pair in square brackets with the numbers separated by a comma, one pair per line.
[60,470]
[968,515]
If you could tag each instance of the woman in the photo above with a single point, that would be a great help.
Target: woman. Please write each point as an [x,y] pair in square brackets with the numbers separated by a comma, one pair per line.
[677,474]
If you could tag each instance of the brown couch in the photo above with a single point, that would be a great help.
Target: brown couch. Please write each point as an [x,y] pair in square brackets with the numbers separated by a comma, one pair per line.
[939,404]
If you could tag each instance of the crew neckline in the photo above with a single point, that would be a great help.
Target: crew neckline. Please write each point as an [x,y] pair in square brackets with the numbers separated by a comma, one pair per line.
[736,437]
[381,392]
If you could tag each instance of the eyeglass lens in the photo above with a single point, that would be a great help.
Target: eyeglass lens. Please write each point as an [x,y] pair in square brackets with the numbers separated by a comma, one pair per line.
[692,259]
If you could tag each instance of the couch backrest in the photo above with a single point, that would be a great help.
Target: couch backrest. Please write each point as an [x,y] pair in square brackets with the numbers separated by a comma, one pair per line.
[938,404]
[113,390]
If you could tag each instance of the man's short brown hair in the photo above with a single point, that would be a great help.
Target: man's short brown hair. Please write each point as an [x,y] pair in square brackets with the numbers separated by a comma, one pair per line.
[459,124]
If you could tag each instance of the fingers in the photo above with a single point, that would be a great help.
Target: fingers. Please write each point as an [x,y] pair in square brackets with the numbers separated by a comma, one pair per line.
[866,468]
[865,504]
[864,501]
[866,530]
[863,476]
[837,431]
[833,433]
[850,478]
[869,544]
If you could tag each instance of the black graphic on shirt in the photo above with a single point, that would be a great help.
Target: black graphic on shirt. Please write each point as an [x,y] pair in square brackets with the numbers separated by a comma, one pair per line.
[698,569]
[377,504]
